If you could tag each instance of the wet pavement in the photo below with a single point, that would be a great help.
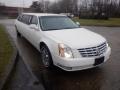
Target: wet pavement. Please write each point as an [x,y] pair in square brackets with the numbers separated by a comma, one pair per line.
[105,77]
[21,79]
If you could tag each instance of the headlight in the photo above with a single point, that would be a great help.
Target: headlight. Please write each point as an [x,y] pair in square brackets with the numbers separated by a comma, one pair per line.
[107,44]
[65,51]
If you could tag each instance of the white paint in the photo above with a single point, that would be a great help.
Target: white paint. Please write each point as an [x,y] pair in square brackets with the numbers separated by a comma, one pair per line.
[73,38]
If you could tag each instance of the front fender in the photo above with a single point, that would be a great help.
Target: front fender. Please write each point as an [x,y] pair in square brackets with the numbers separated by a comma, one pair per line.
[52,46]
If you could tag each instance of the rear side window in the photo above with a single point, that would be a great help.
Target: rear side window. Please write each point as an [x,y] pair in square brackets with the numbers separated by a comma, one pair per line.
[23,19]
[19,18]
[26,19]
[34,20]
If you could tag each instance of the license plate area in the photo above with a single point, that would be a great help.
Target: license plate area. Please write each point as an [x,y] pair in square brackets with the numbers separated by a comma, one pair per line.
[98,61]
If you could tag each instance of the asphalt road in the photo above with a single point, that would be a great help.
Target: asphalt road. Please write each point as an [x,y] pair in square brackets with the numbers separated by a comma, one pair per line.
[21,79]
[106,77]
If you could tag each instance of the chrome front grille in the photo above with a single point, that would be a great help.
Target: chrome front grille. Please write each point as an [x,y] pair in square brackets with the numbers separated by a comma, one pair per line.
[93,51]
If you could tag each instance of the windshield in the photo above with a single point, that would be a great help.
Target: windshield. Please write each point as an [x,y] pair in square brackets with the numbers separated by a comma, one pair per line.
[56,23]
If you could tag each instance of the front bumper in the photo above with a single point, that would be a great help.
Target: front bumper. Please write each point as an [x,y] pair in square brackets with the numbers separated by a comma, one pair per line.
[75,64]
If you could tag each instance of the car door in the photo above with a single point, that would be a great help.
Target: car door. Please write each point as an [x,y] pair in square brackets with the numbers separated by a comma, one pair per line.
[34,34]
[23,25]
[18,23]
[26,29]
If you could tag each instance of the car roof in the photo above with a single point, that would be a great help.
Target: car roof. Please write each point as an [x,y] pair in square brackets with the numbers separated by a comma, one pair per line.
[43,14]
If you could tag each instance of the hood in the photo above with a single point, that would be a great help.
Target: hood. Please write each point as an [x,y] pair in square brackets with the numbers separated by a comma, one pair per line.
[76,38]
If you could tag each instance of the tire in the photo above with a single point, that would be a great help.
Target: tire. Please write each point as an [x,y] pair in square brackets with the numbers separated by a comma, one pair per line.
[18,34]
[46,57]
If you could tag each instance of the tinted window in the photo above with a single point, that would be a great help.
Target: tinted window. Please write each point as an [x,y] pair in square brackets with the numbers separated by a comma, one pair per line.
[34,20]
[19,17]
[26,19]
[23,19]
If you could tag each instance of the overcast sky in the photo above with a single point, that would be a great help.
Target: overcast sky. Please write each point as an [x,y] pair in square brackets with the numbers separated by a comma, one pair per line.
[18,3]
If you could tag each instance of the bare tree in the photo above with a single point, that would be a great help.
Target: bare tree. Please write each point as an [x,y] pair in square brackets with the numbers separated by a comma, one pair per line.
[88,8]
[37,6]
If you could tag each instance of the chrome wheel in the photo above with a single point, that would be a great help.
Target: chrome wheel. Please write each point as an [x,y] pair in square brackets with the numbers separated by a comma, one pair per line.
[45,56]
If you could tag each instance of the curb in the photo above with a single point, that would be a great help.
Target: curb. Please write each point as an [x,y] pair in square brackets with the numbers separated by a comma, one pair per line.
[36,80]
[11,65]
[30,70]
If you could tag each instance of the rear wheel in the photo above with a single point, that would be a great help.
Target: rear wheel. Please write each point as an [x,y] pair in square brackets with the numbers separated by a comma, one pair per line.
[18,34]
[46,57]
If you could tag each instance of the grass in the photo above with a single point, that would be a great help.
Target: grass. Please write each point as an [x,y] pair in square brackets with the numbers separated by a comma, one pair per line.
[112,22]
[6,50]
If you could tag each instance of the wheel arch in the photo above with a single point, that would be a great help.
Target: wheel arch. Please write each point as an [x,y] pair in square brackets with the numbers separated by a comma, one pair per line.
[52,46]
[42,44]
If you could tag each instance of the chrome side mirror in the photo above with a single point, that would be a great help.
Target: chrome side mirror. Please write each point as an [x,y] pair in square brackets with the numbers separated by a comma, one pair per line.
[78,23]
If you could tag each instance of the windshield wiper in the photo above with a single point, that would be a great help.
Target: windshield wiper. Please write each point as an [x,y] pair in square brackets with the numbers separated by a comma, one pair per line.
[70,27]
[61,28]
[51,29]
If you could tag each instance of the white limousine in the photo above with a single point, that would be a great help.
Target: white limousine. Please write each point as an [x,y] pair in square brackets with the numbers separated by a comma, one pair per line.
[62,42]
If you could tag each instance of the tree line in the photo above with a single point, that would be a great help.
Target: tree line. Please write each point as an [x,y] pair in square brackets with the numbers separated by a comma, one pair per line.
[81,8]
[98,9]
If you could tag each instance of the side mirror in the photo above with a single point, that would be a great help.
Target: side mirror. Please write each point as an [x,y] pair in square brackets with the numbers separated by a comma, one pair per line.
[78,23]
[34,26]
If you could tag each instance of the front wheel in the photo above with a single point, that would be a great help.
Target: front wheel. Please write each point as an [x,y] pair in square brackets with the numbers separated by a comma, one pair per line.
[46,57]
